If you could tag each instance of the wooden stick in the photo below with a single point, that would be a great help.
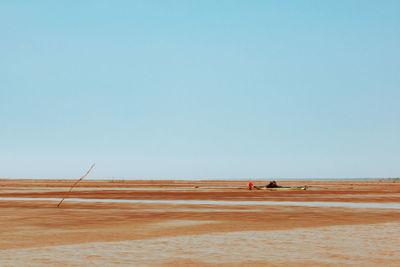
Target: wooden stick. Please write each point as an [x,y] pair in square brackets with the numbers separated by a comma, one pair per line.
[80,179]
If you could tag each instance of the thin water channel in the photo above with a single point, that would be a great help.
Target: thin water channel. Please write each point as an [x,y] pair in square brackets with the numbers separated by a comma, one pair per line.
[221,202]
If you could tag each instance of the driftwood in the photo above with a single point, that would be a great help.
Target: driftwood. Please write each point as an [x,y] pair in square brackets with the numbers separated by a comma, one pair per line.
[80,179]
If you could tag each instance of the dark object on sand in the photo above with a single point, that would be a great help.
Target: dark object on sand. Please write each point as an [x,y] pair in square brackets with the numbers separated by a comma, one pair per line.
[273,184]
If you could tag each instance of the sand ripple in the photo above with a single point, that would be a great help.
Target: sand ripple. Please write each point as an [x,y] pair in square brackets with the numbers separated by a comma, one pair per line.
[354,245]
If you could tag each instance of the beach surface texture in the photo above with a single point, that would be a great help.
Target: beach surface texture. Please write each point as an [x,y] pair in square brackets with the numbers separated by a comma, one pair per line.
[199,223]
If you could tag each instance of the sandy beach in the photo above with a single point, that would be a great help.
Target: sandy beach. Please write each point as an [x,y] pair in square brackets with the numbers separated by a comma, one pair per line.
[198,223]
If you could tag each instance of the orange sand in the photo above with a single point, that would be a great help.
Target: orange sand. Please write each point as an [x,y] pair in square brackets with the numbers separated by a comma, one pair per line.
[82,234]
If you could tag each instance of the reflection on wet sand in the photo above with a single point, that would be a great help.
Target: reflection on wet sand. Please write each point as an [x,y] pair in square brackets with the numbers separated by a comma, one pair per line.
[220,202]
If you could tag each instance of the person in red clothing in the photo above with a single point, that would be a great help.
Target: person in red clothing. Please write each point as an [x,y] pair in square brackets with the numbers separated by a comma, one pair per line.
[250,185]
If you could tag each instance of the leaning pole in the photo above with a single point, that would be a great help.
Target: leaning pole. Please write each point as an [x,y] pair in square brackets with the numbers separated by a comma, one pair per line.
[80,179]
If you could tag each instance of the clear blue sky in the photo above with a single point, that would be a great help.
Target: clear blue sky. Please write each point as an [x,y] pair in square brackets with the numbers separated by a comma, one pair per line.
[200,89]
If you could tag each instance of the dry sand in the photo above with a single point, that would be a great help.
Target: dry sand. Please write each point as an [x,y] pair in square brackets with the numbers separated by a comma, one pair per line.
[37,233]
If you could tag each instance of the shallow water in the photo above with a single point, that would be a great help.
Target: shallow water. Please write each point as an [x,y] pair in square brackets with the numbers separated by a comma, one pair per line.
[218,202]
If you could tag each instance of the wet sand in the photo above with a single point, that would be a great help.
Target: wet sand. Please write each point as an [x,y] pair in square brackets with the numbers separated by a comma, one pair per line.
[182,234]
